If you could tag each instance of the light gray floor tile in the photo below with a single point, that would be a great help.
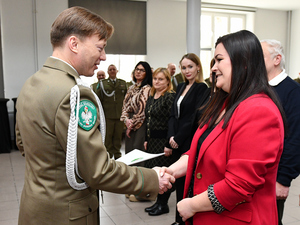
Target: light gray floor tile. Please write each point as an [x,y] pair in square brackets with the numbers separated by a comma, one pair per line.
[116,209]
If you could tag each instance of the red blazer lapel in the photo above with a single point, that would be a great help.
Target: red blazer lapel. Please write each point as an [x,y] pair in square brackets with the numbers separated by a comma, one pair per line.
[210,138]
[193,150]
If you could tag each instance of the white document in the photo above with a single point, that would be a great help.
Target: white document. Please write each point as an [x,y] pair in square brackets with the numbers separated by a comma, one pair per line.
[136,156]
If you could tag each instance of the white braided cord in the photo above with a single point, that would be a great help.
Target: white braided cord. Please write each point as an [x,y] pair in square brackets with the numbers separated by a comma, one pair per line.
[71,155]
[103,90]
[102,117]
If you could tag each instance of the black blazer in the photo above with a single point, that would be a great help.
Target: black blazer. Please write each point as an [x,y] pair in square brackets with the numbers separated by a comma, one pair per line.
[180,126]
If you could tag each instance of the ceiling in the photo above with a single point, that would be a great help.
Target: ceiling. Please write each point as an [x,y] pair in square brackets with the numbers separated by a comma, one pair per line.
[265,4]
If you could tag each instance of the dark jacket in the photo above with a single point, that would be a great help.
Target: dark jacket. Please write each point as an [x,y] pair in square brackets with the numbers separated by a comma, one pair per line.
[180,126]
[289,166]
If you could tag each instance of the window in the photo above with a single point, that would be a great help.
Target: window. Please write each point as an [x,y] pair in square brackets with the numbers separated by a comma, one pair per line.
[216,23]
[124,63]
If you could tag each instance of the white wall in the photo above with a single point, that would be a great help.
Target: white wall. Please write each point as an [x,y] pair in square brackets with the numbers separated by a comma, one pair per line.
[271,24]
[166,32]
[17,45]
[22,55]
[295,45]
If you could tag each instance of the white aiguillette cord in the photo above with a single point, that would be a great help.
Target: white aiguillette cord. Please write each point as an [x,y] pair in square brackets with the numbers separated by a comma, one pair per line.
[71,155]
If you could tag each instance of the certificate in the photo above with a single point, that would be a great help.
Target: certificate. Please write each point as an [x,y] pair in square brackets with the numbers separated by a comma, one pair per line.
[136,156]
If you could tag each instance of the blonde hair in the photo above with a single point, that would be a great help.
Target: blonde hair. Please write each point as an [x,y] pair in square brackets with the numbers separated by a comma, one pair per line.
[193,57]
[167,75]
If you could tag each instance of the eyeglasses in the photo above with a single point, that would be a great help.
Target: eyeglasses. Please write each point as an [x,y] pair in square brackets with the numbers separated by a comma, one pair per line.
[141,70]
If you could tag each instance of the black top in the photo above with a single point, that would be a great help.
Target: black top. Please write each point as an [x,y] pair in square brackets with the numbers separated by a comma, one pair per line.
[180,126]
[200,142]
[157,112]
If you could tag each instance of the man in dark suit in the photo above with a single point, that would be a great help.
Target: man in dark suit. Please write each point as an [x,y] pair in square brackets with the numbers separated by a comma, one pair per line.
[288,91]
[111,93]
[57,129]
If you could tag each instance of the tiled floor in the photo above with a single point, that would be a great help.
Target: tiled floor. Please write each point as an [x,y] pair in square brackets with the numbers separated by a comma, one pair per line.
[116,209]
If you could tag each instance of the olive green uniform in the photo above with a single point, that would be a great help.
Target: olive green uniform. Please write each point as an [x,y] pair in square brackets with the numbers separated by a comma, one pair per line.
[43,114]
[111,94]
[176,79]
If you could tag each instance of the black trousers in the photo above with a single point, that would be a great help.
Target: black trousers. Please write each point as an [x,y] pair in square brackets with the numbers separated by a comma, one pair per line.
[280,208]
[179,184]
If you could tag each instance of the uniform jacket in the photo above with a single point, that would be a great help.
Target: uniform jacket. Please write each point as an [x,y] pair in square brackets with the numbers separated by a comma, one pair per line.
[180,126]
[241,161]
[176,80]
[112,106]
[94,86]
[41,127]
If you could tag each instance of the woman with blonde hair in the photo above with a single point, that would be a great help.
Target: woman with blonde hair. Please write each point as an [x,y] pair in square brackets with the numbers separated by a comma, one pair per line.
[187,97]
[157,111]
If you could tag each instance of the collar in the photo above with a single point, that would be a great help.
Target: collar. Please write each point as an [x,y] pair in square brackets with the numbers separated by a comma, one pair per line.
[65,63]
[115,80]
[280,77]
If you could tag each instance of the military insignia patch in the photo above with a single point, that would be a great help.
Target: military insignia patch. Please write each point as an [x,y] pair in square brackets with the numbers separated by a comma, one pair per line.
[87,115]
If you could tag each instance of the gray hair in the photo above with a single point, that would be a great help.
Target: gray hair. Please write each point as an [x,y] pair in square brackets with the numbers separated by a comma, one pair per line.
[275,48]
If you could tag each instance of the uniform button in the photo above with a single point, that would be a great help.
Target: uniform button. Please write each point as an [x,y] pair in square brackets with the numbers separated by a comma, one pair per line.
[90,210]
[199,175]
[240,202]
[148,195]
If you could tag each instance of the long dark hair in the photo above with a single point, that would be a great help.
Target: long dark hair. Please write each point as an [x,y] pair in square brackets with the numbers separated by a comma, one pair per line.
[249,77]
[148,76]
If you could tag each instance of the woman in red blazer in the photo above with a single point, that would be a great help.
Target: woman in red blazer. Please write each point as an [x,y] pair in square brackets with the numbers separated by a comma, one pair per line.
[232,162]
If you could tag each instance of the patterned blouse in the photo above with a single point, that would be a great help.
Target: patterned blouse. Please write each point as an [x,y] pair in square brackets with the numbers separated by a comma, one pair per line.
[134,105]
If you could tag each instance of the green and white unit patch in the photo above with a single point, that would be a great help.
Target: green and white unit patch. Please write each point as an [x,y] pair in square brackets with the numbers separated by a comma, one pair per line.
[87,114]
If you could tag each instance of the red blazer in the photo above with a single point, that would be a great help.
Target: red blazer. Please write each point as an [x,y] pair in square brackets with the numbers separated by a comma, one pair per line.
[242,161]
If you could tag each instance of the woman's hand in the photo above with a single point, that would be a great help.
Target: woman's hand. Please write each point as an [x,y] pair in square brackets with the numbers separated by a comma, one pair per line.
[127,132]
[145,145]
[185,208]
[168,151]
[188,207]
[173,142]
[163,170]
[128,123]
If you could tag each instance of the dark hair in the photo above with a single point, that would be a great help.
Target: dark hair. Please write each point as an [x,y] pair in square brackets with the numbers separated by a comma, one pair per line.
[249,77]
[148,76]
[81,22]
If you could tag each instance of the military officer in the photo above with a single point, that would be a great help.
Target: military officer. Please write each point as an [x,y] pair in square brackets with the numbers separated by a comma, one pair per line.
[57,131]
[100,76]
[111,93]
[175,79]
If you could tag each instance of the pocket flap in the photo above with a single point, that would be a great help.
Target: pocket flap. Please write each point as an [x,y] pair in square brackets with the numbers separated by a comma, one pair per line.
[241,212]
[82,207]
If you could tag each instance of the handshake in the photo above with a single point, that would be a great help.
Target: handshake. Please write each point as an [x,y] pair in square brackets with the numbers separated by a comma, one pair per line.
[165,178]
